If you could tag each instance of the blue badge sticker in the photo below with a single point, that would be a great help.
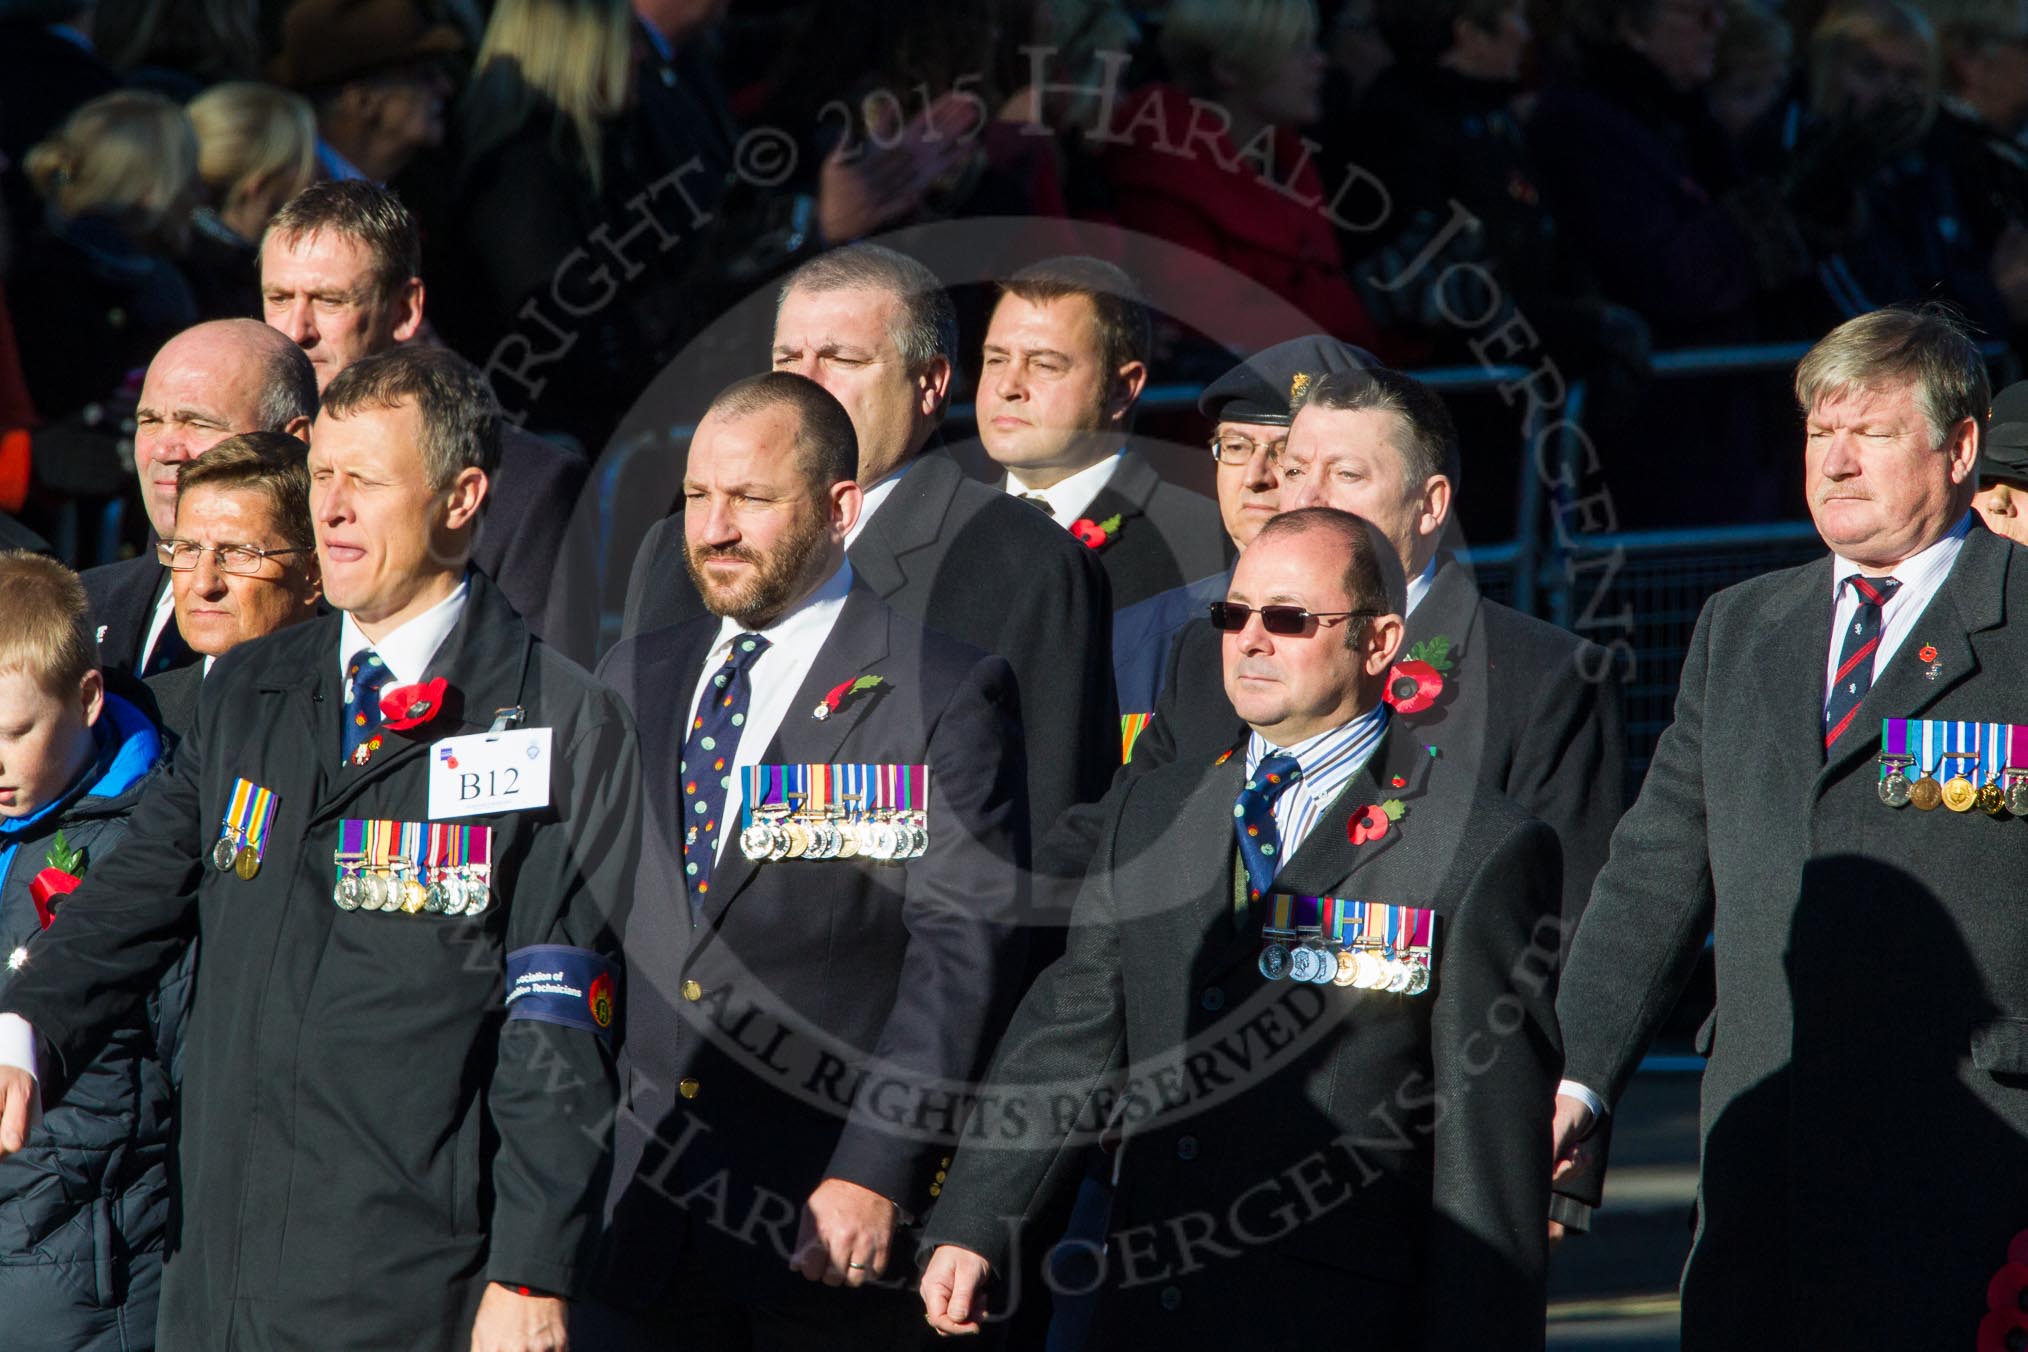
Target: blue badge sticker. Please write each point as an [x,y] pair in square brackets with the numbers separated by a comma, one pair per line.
[560,984]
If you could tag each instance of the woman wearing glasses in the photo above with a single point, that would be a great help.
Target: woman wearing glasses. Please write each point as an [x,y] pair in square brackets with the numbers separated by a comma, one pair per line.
[242,560]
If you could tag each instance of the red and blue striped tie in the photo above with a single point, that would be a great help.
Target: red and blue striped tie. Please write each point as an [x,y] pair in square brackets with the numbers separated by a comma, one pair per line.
[1855,658]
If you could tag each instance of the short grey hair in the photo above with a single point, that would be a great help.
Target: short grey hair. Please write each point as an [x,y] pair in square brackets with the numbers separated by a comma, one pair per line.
[928,326]
[1927,345]
[288,385]
[460,417]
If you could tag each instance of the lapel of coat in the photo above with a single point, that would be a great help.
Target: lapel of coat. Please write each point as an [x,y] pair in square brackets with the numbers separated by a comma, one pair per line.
[483,660]
[857,644]
[1450,608]
[1970,601]
[1127,492]
[669,678]
[316,701]
[912,518]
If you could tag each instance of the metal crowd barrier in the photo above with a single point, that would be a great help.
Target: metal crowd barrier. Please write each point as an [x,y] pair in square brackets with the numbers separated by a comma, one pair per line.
[1662,576]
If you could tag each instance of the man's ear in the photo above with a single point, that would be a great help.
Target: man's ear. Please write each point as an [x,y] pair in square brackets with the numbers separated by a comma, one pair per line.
[933,385]
[1382,641]
[299,427]
[1962,444]
[1436,505]
[408,310]
[462,498]
[1128,382]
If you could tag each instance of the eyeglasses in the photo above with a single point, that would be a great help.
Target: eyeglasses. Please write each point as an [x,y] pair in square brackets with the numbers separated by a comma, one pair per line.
[1230,617]
[244,560]
[1231,448]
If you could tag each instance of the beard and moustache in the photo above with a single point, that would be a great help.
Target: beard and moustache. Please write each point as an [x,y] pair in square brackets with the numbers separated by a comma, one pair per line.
[758,599]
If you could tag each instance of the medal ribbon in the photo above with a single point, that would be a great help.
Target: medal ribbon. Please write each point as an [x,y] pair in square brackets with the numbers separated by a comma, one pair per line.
[234,825]
[351,847]
[1996,742]
[1893,740]
[482,846]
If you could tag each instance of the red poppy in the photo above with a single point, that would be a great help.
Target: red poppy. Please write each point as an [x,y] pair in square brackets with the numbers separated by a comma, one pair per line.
[1095,534]
[2004,1292]
[835,696]
[45,887]
[1998,1332]
[411,706]
[1413,686]
[2017,1248]
[1928,653]
[1368,823]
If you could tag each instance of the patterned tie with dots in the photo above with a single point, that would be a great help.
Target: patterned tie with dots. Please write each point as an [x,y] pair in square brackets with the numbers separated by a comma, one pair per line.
[706,769]
[365,674]
[1253,821]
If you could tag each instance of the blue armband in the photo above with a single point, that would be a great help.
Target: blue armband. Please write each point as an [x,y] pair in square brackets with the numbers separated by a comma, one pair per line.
[560,984]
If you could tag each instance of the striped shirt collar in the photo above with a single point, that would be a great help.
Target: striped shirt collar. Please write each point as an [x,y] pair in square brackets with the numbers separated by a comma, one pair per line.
[1329,761]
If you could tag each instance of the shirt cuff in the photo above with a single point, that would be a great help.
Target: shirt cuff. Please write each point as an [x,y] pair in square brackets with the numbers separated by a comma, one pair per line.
[1572,1089]
[17,1049]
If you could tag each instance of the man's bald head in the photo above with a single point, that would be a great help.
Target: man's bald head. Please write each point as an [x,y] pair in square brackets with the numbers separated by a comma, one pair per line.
[210,382]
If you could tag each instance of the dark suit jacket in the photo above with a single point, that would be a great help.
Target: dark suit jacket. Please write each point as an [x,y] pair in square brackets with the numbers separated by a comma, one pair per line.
[1284,1138]
[967,560]
[531,543]
[467,1146]
[811,975]
[1167,534]
[122,597]
[1529,709]
[174,696]
[1842,1045]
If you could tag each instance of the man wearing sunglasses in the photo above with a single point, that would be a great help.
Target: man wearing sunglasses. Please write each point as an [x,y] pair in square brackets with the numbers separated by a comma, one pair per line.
[1374,1135]
[1532,711]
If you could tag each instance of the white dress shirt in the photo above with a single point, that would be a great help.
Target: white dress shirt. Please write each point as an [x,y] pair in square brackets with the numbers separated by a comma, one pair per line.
[406,652]
[773,678]
[882,490]
[1069,498]
[1329,761]
[1920,576]
[164,616]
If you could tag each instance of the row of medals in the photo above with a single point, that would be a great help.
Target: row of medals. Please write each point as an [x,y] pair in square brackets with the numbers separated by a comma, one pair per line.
[232,854]
[449,890]
[1958,793]
[888,837]
[1366,969]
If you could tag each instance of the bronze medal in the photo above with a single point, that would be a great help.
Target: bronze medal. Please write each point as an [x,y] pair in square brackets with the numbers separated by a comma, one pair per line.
[1925,794]
[1991,801]
[247,864]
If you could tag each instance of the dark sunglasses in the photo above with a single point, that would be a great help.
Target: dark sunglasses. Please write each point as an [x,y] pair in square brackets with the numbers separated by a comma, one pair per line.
[1231,617]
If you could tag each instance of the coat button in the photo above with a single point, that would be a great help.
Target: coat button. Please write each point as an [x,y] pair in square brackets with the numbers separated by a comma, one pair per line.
[1212,1000]
[692,991]
[1171,1298]
[687,1088]
[1186,1147]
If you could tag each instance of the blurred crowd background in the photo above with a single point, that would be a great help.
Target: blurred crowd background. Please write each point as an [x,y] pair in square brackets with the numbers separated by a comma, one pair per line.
[1584,183]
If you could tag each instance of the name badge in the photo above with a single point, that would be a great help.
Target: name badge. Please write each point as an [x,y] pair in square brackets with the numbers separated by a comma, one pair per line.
[490,772]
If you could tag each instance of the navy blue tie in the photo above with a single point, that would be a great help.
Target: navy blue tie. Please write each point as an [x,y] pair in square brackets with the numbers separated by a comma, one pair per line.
[1253,821]
[1854,676]
[365,674]
[706,769]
